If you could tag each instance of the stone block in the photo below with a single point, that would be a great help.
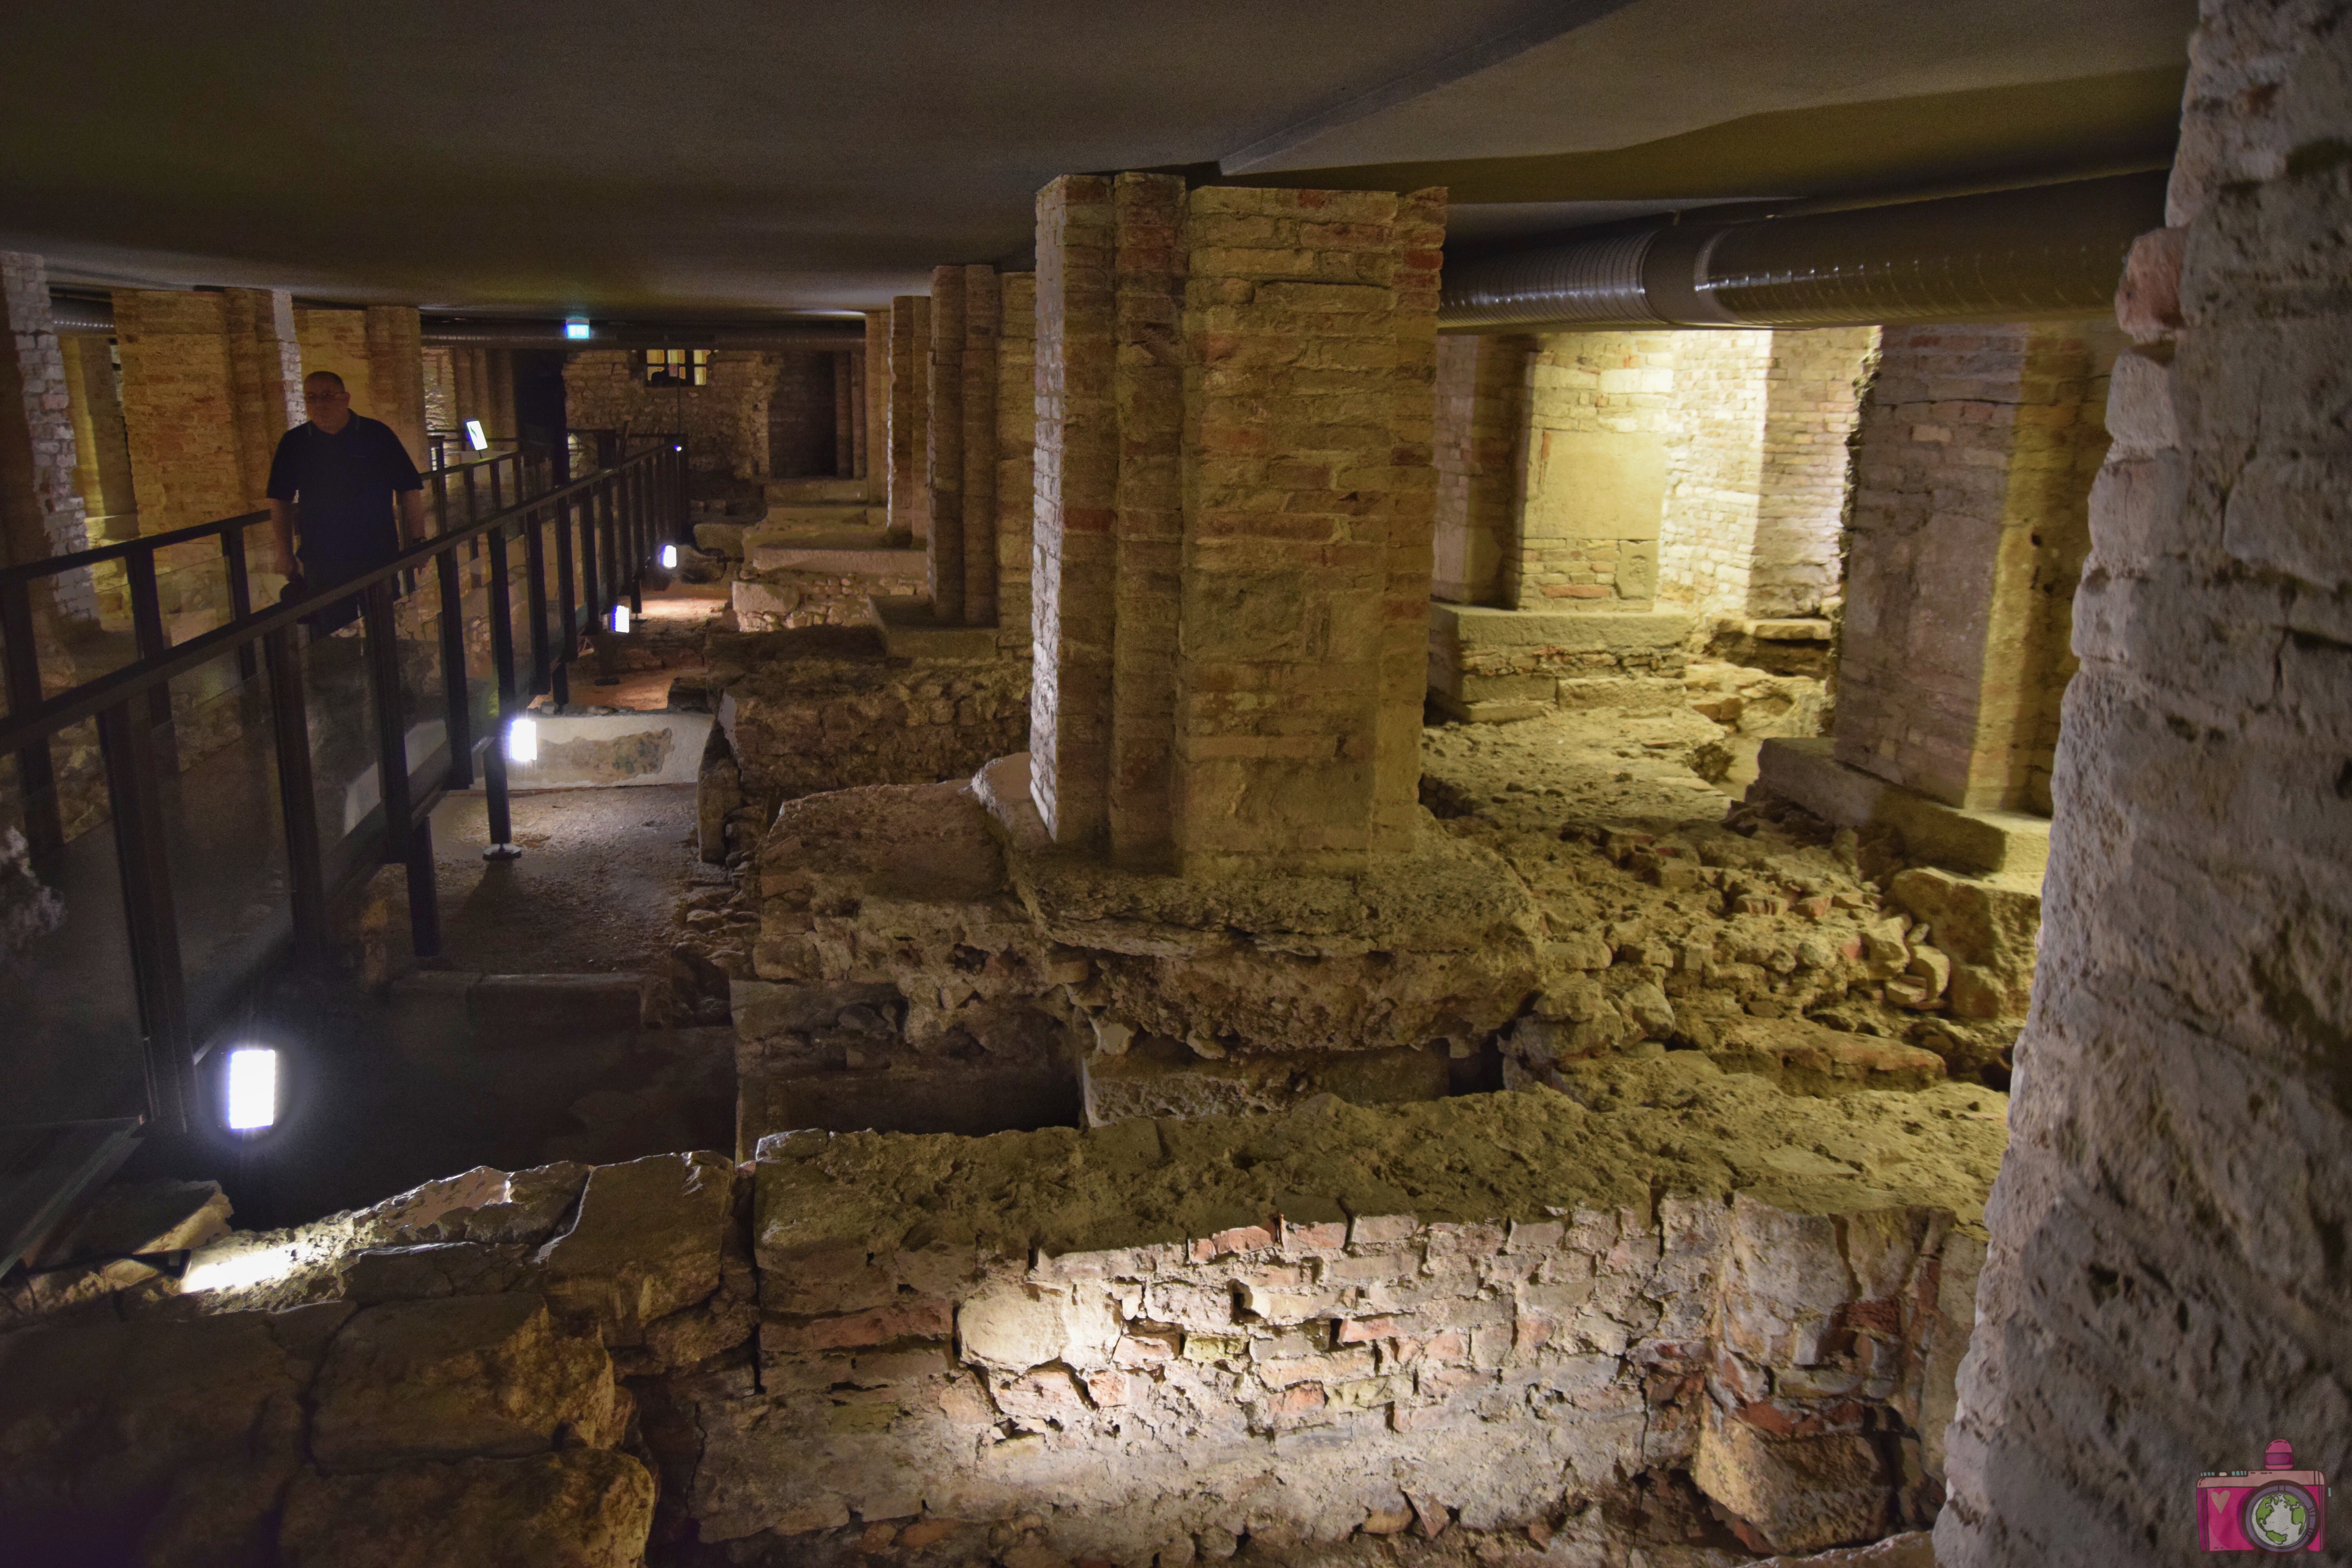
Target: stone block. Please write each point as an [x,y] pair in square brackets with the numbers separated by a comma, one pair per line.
[1805,1058]
[441,1380]
[583,1507]
[1157,1076]
[648,1241]
[137,1219]
[1805,771]
[1797,1493]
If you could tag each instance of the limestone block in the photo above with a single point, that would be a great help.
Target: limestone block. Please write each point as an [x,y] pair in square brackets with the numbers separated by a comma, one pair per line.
[1159,1076]
[468,1375]
[648,1241]
[1987,923]
[1010,1328]
[584,1508]
[1798,1493]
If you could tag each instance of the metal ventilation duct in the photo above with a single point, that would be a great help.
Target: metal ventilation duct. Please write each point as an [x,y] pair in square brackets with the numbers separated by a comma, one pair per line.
[2046,250]
[82,316]
[496,335]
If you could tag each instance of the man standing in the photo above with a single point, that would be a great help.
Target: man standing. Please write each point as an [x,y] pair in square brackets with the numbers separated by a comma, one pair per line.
[335,480]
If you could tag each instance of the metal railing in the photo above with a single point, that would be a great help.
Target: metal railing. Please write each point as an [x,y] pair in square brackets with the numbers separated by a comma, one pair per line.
[561,557]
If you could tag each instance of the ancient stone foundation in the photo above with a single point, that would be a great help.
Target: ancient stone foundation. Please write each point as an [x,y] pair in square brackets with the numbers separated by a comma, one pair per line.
[1292,1332]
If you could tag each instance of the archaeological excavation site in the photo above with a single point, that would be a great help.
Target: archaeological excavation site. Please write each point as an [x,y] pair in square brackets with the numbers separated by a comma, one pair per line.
[1509,786]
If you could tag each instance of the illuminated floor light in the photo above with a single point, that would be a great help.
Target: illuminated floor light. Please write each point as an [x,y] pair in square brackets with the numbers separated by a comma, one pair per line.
[522,741]
[251,1089]
[476,437]
[669,558]
[620,618]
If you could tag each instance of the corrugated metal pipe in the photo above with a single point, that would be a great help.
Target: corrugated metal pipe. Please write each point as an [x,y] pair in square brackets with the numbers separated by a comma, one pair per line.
[2044,251]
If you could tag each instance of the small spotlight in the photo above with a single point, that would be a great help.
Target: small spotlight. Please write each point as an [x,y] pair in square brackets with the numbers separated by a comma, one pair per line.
[677,448]
[522,741]
[251,1089]
[575,328]
[620,618]
[669,557]
[475,435]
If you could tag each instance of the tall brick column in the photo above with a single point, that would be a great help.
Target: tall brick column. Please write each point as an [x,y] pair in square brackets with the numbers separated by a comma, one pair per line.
[1234,501]
[40,514]
[944,467]
[1970,522]
[396,356]
[1482,414]
[185,395]
[876,388]
[1016,440]
[265,362]
[103,453]
[910,400]
[978,407]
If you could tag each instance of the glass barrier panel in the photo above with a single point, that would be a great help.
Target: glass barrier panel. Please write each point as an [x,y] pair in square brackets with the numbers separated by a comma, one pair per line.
[223,834]
[73,1048]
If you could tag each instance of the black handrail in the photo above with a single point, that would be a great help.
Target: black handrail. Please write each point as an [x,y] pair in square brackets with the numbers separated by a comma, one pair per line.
[634,503]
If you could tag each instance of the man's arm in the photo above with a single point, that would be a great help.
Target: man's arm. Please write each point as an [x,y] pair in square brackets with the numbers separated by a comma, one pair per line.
[281,534]
[411,517]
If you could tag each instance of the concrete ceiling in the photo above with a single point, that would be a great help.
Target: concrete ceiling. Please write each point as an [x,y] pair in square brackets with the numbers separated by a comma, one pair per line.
[732,158]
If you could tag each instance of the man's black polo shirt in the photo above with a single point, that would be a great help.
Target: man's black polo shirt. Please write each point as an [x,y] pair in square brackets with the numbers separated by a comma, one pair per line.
[342,487]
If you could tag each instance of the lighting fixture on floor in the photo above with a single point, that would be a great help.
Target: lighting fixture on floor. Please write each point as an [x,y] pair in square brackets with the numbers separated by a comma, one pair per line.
[522,741]
[476,437]
[669,557]
[620,618]
[250,1089]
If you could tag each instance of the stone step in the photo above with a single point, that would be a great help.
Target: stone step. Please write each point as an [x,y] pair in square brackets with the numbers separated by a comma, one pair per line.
[790,490]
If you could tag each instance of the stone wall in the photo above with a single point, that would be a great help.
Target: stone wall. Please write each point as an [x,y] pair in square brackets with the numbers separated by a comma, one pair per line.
[1756,467]
[1970,524]
[2164,1291]
[798,726]
[1481,396]
[725,422]
[1599,422]
[1291,1332]
[799,415]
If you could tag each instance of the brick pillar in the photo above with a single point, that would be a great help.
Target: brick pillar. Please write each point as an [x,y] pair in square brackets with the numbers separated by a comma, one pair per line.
[265,362]
[465,388]
[909,415]
[1482,411]
[40,514]
[1148,518]
[1076,476]
[1234,386]
[101,450]
[1016,440]
[396,356]
[1970,522]
[943,468]
[844,419]
[874,459]
[856,360]
[981,307]
[179,413]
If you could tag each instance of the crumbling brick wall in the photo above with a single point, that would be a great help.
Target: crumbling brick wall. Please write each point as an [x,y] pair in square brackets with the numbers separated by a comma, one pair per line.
[1600,415]
[40,513]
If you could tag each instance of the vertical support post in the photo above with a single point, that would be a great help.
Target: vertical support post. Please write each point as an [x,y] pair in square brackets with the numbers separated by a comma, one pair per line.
[390,739]
[147,629]
[534,549]
[440,494]
[424,892]
[473,498]
[591,599]
[633,498]
[614,568]
[457,701]
[133,797]
[240,591]
[36,776]
[306,874]
[569,601]
[502,672]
